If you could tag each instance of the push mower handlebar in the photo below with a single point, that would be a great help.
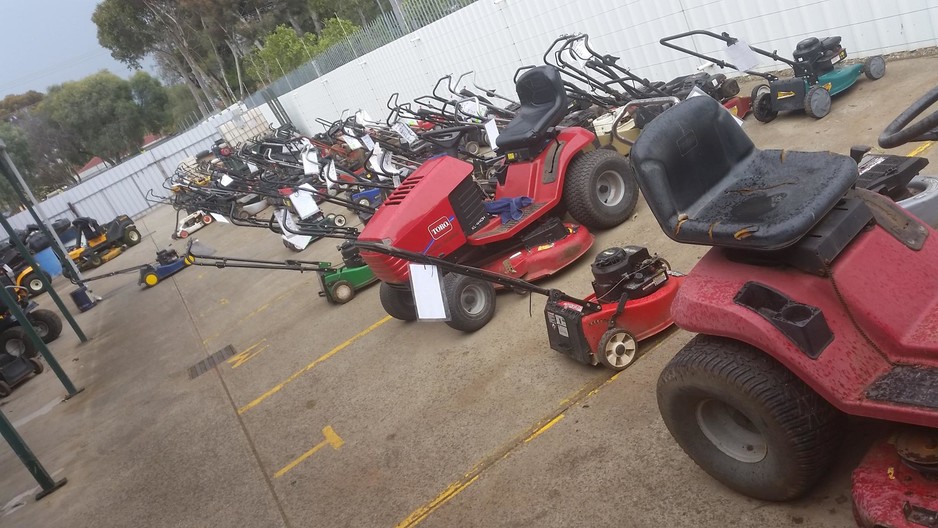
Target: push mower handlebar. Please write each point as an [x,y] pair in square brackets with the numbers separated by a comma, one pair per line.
[900,132]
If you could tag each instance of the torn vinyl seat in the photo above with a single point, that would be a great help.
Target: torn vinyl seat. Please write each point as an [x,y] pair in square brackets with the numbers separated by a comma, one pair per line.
[543,105]
[706,183]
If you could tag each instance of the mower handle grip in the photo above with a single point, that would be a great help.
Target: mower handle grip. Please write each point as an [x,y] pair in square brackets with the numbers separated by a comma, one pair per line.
[900,132]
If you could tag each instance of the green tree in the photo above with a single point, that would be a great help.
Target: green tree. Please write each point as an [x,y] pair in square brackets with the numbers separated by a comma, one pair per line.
[153,100]
[284,51]
[100,112]
[18,149]
[182,107]
[13,103]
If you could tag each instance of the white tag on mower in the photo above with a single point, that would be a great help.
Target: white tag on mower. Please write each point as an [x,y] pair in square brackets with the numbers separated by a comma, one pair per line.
[471,107]
[252,167]
[742,56]
[310,161]
[332,175]
[304,202]
[407,135]
[426,282]
[491,132]
[368,142]
[225,180]
[352,142]
[219,218]
[285,219]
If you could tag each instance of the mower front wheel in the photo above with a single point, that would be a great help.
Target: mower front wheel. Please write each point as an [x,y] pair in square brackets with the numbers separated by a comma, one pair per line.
[151,279]
[397,302]
[599,189]
[761,101]
[16,343]
[95,260]
[874,67]
[746,419]
[47,323]
[817,103]
[132,237]
[471,302]
[33,283]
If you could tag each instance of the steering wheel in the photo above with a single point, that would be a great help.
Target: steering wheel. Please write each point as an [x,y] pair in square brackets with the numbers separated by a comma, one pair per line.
[899,132]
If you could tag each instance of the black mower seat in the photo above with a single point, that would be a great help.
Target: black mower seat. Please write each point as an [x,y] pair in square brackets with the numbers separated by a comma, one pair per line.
[543,105]
[813,45]
[706,183]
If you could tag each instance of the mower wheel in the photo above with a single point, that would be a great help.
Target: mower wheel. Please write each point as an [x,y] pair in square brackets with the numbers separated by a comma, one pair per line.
[47,324]
[5,389]
[746,419]
[132,237]
[339,220]
[151,279]
[761,101]
[617,349]
[95,260]
[183,233]
[874,67]
[471,302]
[33,283]
[291,246]
[398,303]
[207,219]
[16,343]
[599,189]
[342,291]
[817,103]
[38,367]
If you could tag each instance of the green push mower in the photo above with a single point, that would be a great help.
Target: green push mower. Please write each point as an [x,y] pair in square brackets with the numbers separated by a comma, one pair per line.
[819,73]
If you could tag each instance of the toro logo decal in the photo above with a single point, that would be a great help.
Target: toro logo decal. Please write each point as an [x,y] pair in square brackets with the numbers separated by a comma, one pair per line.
[440,228]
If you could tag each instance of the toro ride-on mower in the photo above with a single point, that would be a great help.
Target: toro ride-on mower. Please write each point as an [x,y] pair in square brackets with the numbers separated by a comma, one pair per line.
[817,300]
[818,74]
[440,211]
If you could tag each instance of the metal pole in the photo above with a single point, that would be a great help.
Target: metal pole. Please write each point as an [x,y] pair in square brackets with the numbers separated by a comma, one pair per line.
[45,480]
[4,159]
[20,316]
[399,14]
[58,247]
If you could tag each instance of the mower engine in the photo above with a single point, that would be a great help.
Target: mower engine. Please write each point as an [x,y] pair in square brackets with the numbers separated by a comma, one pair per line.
[634,291]
[166,256]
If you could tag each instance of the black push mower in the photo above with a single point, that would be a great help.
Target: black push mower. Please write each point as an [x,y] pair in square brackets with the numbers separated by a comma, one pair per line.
[818,74]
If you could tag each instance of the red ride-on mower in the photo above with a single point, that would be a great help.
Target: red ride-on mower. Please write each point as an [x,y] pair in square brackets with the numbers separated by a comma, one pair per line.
[439,210]
[817,300]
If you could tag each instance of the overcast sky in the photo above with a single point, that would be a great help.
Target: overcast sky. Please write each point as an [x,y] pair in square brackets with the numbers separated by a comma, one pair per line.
[46,42]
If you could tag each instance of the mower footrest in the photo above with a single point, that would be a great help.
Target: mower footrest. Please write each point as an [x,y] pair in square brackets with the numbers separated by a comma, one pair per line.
[907,386]
[495,230]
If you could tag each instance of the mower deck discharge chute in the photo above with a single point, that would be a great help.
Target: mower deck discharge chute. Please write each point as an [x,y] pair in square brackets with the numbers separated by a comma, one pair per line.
[440,211]
[794,331]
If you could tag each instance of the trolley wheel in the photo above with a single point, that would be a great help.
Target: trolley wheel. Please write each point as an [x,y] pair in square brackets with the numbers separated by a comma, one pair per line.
[617,349]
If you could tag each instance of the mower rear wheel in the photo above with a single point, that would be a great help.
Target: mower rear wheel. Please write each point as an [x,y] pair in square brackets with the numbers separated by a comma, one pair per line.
[761,101]
[817,102]
[207,219]
[16,343]
[95,260]
[746,419]
[397,302]
[339,220]
[132,237]
[151,279]
[599,189]
[874,67]
[471,302]
[617,349]
[342,291]
[37,364]
[47,323]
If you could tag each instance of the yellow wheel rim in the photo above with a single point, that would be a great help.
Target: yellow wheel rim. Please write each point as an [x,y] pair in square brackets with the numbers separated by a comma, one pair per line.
[189,260]
[151,279]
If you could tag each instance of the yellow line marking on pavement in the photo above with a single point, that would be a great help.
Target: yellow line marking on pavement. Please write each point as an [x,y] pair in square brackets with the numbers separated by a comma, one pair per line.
[584,393]
[276,388]
[546,426]
[245,355]
[256,311]
[332,439]
[921,148]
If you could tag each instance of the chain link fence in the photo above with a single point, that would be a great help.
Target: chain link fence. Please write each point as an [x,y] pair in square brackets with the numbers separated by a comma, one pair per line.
[386,28]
